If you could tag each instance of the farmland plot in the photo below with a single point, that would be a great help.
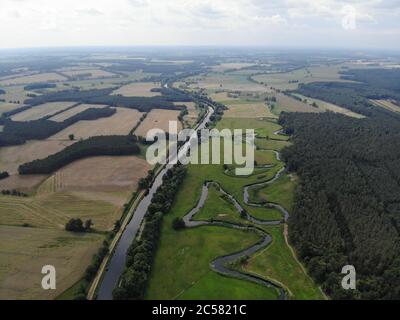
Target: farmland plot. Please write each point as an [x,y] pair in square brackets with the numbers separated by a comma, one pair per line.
[140,89]
[158,118]
[43,110]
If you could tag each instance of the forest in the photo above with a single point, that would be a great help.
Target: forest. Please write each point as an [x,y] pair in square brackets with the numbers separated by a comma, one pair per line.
[133,282]
[347,204]
[94,146]
[17,132]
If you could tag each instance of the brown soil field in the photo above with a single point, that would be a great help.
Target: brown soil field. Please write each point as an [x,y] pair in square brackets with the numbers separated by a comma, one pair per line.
[26,250]
[158,118]
[42,77]
[141,89]
[12,157]
[121,122]
[71,112]
[40,111]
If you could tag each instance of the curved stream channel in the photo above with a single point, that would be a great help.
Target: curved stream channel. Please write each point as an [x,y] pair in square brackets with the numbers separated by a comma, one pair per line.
[219,265]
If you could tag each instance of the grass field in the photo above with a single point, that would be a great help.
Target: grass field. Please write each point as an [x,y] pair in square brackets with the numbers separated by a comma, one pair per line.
[26,250]
[94,73]
[122,122]
[71,112]
[281,81]
[158,118]
[278,263]
[140,89]
[248,110]
[43,110]
[218,81]
[41,77]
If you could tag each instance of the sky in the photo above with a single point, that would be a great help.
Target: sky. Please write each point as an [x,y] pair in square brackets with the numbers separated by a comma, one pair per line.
[272,23]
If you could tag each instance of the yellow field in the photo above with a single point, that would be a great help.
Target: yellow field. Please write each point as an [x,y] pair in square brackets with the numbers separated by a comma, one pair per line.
[140,89]
[12,157]
[121,122]
[387,104]
[158,118]
[95,73]
[71,112]
[24,251]
[248,110]
[289,104]
[25,183]
[41,111]
[5,107]
[41,77]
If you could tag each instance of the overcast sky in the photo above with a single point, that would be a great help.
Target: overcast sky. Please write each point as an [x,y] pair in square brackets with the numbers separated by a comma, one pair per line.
[304,23]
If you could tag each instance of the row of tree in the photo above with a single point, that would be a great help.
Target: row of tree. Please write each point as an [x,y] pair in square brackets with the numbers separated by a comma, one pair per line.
[133,282]
[94,146]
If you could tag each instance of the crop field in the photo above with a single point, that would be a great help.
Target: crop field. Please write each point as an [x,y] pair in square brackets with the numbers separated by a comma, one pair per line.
[26,250]
[158,118]
[40,111]
[193,112]
[387,104]
[141,89]
[71,112]
[6,107]
[120,123]
[289,104]
[41,77]
[13,156]
[14,98]
[94,73]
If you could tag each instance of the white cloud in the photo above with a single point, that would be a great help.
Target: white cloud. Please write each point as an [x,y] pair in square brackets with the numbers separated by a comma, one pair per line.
[262,22]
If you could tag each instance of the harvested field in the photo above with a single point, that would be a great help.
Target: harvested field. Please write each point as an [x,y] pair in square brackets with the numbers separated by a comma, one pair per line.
[71,112]
[140,89]
[43,110]
[122,122]
[104,173]
[387,104]
[5,107]
[25,183]
[158,118]
[193,112]
[26,250]
[41,77]
[13,156]
[53,210]
[248,110]
[89,73]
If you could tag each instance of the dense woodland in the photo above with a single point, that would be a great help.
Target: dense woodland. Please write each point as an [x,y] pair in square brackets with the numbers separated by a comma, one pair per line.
[141,254]
[95,146]
[347,204]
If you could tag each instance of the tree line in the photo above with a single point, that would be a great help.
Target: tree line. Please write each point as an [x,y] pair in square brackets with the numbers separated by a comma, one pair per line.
[17,132]
[140,256]
[94,146]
